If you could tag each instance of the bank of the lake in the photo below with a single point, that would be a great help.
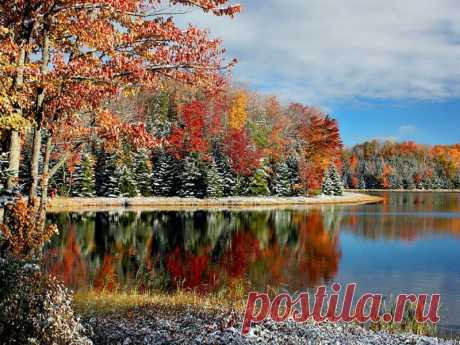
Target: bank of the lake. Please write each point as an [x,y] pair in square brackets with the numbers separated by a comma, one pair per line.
[156,325]
[68,204]
[403,190]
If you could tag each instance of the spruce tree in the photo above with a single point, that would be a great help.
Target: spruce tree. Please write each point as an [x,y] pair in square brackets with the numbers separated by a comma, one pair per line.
[192,178]
[259,183]
[214,182]
[83,178]
[126,181]
[225,170]
[336,181]
[294,176]
[165,175]
[327,187]
[107,175]
[143,172]
[282,180]
[457,181]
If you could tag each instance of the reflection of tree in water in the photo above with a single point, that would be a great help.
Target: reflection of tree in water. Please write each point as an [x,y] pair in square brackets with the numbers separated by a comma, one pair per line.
[196,249]
[406,216]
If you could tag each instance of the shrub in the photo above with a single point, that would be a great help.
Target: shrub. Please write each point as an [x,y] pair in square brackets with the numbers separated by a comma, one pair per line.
[35,309]
[21,235]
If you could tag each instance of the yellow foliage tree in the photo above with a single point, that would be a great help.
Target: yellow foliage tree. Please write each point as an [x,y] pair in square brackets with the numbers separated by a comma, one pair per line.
[238,112]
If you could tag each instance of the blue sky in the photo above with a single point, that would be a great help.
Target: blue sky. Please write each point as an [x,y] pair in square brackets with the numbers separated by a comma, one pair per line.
[384,69]
[424,122]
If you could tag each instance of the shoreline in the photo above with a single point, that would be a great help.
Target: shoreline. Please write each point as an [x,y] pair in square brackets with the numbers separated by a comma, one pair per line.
[403,190]
[176,324]
[172,203]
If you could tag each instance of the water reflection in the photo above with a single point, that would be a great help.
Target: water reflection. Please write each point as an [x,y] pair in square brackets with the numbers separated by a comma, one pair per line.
[406,216]
[409,243]
[199,249]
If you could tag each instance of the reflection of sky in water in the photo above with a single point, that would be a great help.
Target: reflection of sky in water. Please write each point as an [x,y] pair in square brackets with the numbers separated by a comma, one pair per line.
[428,266]
[408,244]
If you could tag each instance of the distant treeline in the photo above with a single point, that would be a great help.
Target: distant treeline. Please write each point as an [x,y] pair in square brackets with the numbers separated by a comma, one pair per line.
[406,165]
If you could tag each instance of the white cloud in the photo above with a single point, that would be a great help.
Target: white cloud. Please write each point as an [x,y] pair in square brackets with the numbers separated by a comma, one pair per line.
[333,50]
[406,130]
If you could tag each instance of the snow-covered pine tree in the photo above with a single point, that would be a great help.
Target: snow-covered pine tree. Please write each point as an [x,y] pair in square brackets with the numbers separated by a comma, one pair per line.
[282,180]
[258,185]
[88,180]
[336,181]
[214,182]
[294,176]
[126,181]
[327,187]
[143,172]
[164,175]
[225,170]
[60,182]
[457,181]
[75,181]
[192,179]
[107,175]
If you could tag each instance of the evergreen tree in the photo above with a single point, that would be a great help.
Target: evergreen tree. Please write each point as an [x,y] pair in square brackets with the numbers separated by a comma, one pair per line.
[336,181]
[165,175]
[215,182]
[126,181]
[282,180]
[225,170]
[107,175]
[143,172]
[259,183]
[84,182]
[294,176]
[192,178]
[327,187]
[457,181]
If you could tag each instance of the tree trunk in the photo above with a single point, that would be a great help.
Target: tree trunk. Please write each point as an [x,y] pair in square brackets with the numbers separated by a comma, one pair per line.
[15,156]
[35,163]
[44,185]
[15,139]
[36,149]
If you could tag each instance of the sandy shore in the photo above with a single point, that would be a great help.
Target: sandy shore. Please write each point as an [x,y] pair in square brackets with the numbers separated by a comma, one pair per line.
[69,204]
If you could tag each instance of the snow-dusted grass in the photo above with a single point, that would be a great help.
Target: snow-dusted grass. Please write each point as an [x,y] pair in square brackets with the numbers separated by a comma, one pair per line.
[67,204]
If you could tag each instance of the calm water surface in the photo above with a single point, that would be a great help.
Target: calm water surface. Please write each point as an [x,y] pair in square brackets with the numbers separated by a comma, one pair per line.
[408,244]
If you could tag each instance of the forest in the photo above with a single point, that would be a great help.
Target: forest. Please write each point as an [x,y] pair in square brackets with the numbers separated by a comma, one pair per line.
[196,144]
[405,165]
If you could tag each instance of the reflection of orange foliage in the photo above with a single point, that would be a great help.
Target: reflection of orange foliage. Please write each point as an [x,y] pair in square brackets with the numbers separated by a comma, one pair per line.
[390,223]
[244,250]
[106,277]
[70,267]
[188,270]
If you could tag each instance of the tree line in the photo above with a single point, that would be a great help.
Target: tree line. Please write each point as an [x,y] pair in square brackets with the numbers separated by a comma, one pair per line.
[235,143]
[405,165]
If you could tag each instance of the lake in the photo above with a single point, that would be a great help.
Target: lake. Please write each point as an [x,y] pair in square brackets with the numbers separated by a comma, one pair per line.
[410,243]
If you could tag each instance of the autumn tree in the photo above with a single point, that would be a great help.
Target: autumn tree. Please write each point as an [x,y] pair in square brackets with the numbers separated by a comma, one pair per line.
[61,60]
